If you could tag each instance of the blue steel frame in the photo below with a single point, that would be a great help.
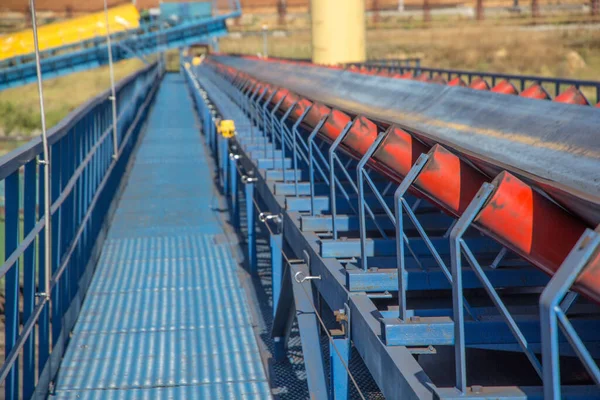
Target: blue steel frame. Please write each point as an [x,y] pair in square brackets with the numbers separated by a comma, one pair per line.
[94,52]
[309,210]
[414,65]
[84,180]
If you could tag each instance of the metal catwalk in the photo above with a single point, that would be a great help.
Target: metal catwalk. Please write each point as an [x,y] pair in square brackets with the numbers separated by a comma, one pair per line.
[165,315]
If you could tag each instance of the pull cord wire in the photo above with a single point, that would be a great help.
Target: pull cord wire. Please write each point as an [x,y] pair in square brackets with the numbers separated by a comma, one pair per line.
[45,163]
[113,95]
[46,154]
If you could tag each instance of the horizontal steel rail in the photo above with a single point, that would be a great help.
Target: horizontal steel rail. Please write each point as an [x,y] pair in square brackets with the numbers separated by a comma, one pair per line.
[85,176]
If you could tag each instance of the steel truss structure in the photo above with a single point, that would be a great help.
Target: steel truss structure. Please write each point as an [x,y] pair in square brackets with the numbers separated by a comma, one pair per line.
[430,301]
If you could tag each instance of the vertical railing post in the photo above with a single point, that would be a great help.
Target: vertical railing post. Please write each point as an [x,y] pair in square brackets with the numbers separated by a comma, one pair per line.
[251,225]
[11,279]
[29,267]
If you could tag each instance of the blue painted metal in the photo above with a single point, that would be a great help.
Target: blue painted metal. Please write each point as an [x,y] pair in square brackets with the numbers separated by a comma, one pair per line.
[309,332]
[165,314]
[339,354]
[140,44]
[553,316]
[81,162]
[185,11]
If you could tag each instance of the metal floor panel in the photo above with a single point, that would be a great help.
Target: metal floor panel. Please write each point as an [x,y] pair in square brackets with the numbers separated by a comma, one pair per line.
[165,315]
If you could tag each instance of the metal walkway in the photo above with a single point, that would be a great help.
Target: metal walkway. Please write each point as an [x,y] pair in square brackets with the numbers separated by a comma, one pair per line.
[165,315]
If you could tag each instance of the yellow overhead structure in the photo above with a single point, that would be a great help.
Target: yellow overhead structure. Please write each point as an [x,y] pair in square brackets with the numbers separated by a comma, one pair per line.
[338,31]
[74,30]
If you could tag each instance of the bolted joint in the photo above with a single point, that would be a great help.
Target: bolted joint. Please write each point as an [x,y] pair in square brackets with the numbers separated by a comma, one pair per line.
[248,179]
[234,156]
[265,216]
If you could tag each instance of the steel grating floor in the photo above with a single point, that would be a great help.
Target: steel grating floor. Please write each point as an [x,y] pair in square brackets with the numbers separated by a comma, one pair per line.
[165,315]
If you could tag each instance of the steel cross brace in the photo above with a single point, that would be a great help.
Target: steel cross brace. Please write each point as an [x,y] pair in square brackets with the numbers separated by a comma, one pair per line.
[459,247]
[553,315]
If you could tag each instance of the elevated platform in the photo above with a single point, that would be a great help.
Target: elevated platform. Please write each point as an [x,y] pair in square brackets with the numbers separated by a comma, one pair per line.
[92,53]
[165,315]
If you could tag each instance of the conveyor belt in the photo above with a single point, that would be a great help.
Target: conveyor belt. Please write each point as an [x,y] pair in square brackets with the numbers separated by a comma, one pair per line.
[520,141]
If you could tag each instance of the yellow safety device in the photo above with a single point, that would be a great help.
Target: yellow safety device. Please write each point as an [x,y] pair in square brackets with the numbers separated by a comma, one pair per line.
[196,61]
[226,128]
[74,30]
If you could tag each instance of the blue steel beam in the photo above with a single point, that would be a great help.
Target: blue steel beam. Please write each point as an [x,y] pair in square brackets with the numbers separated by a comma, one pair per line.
[309,331]
[140,45]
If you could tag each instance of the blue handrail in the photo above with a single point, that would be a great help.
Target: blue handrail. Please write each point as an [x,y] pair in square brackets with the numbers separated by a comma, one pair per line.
[84,178]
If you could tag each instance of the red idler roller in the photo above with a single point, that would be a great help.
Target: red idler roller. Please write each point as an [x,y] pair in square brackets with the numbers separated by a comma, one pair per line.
[479,84]
[572,96]
[457,82]
[279,94]
[315,114]
[397,153]
[448,181]
[300,107]
[535,227]
[360,137]
[288,101]
[598,105]
[505,87]
[438,79]
[535,91]
[334,124]
[422,78]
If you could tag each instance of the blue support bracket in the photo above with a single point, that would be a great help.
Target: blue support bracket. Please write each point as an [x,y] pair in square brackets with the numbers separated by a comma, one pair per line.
[332,177]
[313,164]
[233,181]
[248,181]
[283,316]
[309,330]
[458,248]
[553,315]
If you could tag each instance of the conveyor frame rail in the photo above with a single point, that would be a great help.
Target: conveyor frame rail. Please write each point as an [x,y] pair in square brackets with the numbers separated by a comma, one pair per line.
[358,268]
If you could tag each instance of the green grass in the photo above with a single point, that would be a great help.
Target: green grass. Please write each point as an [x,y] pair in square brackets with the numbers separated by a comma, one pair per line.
[19,107]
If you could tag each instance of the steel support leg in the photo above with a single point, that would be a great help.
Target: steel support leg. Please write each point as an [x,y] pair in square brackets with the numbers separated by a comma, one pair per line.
[276,267]
[283,316]
[234,202]
[251,227]
[309,332]
[338,362]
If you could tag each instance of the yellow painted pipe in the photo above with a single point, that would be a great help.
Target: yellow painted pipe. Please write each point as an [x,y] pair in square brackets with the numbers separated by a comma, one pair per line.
[338,31]
[74,30]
